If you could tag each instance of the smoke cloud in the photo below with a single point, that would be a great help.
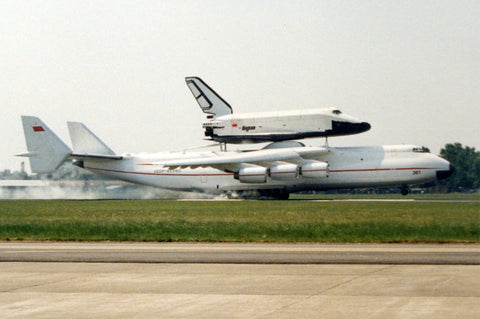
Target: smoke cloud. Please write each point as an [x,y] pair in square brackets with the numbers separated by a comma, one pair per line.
[85,191]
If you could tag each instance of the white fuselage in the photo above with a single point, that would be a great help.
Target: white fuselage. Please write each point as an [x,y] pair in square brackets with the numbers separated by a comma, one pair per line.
[282,125]
[348,167]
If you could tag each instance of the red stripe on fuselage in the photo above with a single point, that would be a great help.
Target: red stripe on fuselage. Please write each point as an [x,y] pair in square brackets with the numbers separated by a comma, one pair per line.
[156,174]
[230,174]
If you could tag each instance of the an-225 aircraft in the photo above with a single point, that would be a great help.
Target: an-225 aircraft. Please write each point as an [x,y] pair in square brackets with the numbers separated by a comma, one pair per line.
[225,127]
[275,171]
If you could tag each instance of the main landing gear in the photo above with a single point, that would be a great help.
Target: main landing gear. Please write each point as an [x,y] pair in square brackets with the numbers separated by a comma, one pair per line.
[404,191]
[267,194]
[275,194]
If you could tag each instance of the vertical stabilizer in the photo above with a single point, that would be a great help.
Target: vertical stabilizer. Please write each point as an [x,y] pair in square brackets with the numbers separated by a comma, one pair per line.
[210,102]
[85,142]
[46,150]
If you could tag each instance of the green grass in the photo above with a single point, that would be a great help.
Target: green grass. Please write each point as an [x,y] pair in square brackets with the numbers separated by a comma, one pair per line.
[240,221]
[432,196]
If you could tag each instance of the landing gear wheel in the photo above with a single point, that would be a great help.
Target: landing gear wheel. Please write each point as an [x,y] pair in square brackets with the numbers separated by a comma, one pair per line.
[404,191]
[283,196]
[274,194]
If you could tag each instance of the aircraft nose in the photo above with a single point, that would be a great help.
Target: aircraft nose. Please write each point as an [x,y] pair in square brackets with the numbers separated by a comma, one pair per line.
[365,126]
[446,173]
[359,127]
[346,128]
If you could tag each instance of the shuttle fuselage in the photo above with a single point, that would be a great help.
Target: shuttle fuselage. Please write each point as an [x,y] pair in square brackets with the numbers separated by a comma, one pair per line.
[225,127]
[282,125]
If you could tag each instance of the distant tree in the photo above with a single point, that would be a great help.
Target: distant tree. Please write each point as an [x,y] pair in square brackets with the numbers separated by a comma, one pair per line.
[477,170]
[467,167]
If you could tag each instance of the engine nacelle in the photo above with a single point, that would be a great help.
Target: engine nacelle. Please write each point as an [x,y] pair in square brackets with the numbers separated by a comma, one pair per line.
[284,172]
[252,175]
[315,170]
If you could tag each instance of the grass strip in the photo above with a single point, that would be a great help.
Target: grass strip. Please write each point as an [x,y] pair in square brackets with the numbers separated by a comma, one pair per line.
[241,221]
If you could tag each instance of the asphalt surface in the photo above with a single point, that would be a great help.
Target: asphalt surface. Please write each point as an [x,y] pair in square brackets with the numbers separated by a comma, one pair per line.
[241,253]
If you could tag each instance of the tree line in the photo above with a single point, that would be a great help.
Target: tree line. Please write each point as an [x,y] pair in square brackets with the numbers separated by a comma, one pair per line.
[467,168]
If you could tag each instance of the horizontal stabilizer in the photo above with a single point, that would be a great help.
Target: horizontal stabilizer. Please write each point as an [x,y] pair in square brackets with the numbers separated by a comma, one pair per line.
[97,156]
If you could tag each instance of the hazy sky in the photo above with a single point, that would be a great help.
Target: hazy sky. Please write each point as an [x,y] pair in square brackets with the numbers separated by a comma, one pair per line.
[409,68]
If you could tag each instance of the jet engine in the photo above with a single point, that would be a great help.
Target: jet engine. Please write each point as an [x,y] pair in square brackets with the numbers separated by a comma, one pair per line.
[284,172]
[314,170]
[252,175]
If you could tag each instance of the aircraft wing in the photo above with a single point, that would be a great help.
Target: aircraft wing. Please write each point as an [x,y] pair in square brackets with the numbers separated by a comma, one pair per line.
[234,161]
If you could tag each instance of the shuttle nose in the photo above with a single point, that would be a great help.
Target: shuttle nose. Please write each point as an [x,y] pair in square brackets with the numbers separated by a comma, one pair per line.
[447,173]
[347,128]
[365,126]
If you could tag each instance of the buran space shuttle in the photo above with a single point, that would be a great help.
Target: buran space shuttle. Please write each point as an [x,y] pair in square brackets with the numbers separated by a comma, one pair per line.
[225,127]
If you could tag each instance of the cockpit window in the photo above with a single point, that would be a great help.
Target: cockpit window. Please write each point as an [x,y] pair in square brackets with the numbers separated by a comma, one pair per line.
[337,112]
[422,149]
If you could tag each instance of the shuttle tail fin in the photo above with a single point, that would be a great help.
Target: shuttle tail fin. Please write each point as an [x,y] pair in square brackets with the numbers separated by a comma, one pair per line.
[46,151]
[210,102]
[84,142]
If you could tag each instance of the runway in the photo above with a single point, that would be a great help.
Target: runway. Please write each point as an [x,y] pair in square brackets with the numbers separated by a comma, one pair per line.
[253,253]
[94,280]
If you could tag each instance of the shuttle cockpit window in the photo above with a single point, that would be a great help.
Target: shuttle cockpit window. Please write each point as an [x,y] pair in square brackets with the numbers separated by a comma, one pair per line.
[422,149]
[337,112]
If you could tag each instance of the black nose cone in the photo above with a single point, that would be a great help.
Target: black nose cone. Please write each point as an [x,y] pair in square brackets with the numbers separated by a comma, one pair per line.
[446,174]
[365,126]
[347,128]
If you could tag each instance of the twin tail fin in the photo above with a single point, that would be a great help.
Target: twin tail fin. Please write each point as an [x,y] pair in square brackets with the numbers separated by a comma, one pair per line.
[46,151]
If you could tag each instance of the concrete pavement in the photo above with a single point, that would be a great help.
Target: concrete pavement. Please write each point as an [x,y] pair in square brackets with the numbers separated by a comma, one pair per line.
[205,290]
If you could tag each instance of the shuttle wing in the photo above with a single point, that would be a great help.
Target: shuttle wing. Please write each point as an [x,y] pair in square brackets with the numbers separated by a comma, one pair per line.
[265,157]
